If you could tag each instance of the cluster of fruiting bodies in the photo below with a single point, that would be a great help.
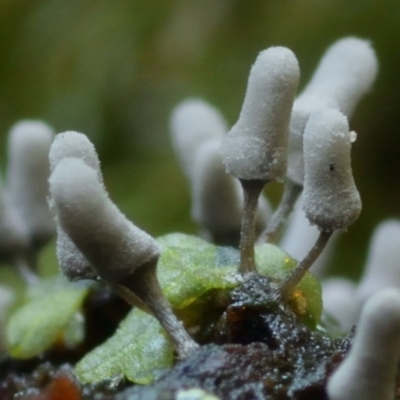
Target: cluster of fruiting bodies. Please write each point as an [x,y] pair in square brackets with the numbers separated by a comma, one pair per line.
[257,348]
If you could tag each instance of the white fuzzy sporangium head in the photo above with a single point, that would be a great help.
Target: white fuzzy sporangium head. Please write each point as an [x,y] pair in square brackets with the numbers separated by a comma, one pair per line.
[256,147]
[74,144]
[114,246]
[330,198]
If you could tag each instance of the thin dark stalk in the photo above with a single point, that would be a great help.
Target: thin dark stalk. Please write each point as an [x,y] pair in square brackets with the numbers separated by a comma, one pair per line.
[251,191]
[144,284]
[275,226]
[302,267]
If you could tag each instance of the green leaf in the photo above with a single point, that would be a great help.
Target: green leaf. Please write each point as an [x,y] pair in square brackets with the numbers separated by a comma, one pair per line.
[192,274]
[37,325]
[189,267]
[139,350]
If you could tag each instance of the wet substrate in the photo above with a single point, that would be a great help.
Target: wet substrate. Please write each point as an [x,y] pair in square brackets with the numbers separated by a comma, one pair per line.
[270,355]
[259,351]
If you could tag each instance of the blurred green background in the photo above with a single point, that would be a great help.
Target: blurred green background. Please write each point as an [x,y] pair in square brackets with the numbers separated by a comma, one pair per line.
[115,69]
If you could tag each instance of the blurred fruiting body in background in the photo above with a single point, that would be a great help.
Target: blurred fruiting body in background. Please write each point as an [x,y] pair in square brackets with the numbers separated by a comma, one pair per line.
[371,368]
[26,219]
[197,130]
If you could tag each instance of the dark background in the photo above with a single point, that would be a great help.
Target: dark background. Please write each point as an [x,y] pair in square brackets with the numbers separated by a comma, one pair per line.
[115,69]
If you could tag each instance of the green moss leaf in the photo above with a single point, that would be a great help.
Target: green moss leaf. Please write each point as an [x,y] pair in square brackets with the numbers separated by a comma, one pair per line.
[138,350]
[192,274]
[190,267]
[51,308]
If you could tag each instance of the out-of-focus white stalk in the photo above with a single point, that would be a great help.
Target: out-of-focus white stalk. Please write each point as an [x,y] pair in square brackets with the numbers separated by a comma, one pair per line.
[300,236]
[344,75]
[193,123]
[382,268]
[339,300]
[14,235]
[369,372]
[217,197]
[27,174]
[7,297]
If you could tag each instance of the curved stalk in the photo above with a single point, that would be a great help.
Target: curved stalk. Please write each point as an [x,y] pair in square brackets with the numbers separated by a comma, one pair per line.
[302,267]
